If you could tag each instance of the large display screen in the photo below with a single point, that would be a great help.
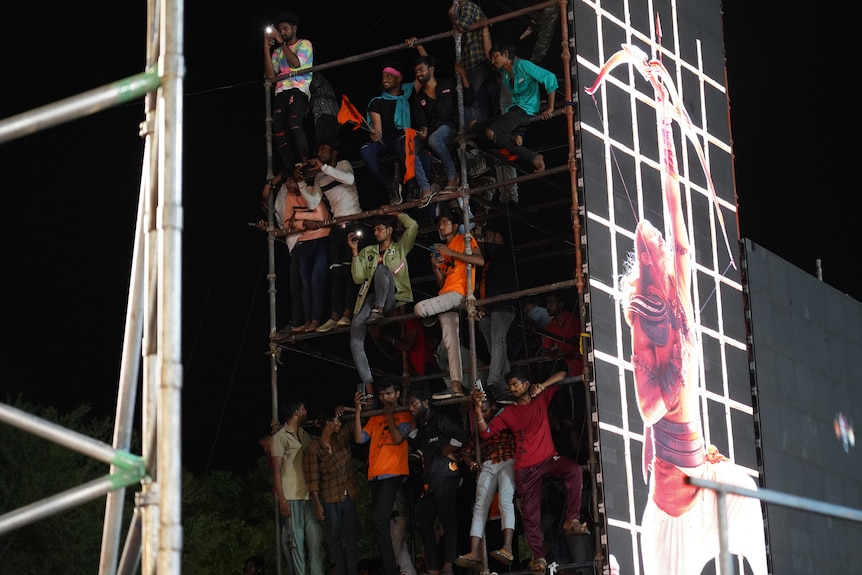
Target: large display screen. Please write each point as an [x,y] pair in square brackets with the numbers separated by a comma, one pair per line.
[806,338]
[672,387]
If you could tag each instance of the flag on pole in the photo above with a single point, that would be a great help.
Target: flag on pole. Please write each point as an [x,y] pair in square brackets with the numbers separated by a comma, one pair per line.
[349,113]
[409,155]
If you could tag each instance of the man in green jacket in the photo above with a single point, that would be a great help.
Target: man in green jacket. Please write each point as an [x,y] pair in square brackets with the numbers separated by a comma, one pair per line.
[382,287]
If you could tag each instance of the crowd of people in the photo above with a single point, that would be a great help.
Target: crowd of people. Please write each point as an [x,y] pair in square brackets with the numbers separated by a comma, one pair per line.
[457,470]
[457,486]
[335,277]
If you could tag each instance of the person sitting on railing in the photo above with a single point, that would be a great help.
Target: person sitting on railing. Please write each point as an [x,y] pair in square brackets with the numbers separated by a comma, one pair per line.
[524,79]
[388,116]
[434,110]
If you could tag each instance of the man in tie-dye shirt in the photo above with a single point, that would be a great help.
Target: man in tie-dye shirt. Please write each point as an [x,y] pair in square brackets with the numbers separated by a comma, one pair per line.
[286,53]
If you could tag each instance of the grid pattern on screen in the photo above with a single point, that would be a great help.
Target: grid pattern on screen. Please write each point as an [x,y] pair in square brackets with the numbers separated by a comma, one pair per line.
[620,182]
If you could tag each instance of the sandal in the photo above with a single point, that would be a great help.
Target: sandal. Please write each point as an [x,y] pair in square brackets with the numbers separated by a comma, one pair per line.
[375,315]
[468,561]
[575,527]
[538,565]
[502,556]
[426,197]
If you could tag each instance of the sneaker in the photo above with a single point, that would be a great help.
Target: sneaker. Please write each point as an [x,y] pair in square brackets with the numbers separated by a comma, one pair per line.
[327,325]
[343,322]
[395,198]
[375,316]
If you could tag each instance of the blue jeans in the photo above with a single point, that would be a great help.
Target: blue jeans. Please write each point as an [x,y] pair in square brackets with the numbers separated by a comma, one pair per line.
[382,296]
[313,258]
[422,165]
[373,153]
[342,522]
[438,141]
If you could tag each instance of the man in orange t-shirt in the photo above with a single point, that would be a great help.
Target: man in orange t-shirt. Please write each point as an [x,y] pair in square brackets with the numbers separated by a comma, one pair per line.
[449,262]
[387,460]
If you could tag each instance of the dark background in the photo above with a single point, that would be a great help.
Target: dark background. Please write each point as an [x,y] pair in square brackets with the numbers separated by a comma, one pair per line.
[71,192]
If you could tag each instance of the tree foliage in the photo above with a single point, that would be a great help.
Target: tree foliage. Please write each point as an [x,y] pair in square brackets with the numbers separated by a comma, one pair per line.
[225,517]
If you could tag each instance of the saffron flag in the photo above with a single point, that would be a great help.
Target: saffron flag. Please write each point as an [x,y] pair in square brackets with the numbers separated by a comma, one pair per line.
[409,155]
[349,113]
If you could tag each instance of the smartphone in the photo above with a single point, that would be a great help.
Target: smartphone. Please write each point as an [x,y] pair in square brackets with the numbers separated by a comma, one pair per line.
[479,385]
[366,397]
[269,29]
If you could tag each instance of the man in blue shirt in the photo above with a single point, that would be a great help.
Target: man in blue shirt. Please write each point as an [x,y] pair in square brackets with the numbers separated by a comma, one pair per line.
[524,79]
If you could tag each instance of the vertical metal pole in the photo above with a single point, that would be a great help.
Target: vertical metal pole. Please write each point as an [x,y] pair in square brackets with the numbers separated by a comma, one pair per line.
[134,328]
[146,500]
[724,550]
[271,276]
[169,318]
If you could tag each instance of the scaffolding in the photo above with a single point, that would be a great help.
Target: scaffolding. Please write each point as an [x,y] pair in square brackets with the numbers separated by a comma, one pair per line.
[153,327]
[153,324]
[552,245]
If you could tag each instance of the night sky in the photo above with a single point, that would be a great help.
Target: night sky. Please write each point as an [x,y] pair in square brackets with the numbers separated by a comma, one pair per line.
[71,192]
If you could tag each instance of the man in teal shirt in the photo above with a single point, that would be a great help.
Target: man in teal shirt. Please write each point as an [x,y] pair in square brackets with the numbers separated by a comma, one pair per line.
[523,79]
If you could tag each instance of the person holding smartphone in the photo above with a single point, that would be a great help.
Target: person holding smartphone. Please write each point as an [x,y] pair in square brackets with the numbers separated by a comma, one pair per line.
[381,271]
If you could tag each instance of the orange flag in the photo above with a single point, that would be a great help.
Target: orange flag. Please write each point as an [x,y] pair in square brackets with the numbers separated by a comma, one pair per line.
[349,113]
[409,155]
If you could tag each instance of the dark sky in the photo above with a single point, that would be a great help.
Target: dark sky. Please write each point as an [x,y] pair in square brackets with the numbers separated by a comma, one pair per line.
[71,192]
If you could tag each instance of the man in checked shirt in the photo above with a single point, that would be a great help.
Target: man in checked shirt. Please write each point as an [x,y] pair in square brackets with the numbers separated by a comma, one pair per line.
[334,488]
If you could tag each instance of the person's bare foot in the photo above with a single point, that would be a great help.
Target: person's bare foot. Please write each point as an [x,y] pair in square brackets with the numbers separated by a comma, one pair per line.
[539,162]
[312,325]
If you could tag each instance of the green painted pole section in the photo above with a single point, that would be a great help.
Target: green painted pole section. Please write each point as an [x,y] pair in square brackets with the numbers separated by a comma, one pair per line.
[75,107]
[132,468]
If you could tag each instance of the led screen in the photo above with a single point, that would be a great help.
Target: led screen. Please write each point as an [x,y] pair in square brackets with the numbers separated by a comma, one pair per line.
[670,360]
